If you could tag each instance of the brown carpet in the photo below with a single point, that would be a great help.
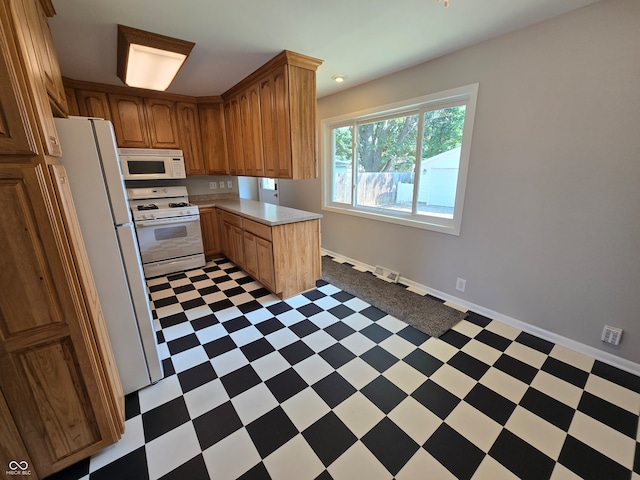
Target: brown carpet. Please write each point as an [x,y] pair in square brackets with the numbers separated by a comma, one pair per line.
[425,313]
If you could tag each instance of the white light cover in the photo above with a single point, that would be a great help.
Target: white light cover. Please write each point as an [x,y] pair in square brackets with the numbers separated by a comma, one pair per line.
[152,68]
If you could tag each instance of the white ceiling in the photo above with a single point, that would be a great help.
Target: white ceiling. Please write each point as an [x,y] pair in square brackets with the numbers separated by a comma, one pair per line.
[363,40]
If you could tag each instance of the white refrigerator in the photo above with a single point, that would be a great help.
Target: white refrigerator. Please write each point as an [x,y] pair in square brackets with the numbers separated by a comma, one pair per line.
[90,157]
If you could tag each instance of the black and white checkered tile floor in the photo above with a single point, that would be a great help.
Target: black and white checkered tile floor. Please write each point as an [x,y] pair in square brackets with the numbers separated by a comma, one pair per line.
[324,386]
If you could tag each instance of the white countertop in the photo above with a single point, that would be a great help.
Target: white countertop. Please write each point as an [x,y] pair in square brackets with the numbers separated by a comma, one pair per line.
[260,212]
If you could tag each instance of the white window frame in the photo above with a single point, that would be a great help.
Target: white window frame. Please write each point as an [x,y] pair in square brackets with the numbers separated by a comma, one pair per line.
[466,95]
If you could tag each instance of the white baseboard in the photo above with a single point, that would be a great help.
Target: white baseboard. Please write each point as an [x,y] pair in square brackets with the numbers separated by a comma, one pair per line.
[464,305]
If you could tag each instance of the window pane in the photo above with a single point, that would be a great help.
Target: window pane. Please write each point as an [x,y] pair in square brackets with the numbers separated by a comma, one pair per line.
[441,141]
[386,152]
[342,164]
[268,183]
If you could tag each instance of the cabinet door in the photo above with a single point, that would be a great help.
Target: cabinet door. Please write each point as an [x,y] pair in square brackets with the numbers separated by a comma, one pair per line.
[264,250]
[162,124]
[210,236]
[12,448]
[190,140]
[274,104]
[55,366]
[251,131]
[225,240]
[234,136]
[93,104]
[72,101]
[251,255]
[129,121]
[302,120]
[214,140]
[50,67]
[21,21]
[17,136]
[237,241]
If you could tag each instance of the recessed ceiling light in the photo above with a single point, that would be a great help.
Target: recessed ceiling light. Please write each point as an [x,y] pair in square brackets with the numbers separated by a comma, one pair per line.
[339,78]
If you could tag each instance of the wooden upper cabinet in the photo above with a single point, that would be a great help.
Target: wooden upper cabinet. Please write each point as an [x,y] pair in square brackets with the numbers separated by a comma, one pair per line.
[214,139]
[25,48]
[277,109]
[162,123]
[189,138]
[276,128]
[263,126]
[17,135]
[300,91]
[158,120]
[251,131]
[233,123]
[129,121]
[50,66]
[93,104]
[72,101]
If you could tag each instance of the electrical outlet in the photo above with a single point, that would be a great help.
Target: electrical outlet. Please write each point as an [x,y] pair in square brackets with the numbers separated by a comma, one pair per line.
[461,284]
[611,335]
[229,184]
[213,185]
[221,183]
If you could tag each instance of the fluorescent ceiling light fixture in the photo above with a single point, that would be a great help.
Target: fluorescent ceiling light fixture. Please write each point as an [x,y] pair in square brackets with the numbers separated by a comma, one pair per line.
[148,60]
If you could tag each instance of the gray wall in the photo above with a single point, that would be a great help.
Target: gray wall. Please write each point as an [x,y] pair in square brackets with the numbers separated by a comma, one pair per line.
[200,185]
[551,227]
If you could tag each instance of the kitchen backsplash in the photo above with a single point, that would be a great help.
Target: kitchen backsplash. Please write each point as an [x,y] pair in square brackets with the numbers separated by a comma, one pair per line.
[208,185]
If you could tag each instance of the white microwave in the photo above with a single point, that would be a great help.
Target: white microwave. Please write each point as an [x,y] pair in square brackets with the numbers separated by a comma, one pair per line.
[151,164]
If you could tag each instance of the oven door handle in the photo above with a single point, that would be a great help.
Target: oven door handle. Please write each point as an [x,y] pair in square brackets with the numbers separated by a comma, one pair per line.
[167,221]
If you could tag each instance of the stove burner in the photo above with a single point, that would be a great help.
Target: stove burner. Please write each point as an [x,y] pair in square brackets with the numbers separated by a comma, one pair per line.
[150,206]
[178,205]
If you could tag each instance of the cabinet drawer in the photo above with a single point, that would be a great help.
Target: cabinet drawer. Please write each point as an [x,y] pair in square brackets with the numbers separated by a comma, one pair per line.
[231,219]
[258,229]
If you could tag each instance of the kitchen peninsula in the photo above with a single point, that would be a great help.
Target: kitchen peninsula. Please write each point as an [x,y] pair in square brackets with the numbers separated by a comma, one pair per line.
[278,246]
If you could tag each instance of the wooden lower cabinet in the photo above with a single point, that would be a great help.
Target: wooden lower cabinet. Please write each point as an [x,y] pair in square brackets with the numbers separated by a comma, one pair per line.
[11,446]
[237,245]
[251,255]
[210,232]
[60,394]
[258,259]
[264,249]
[284,258]
[58,380]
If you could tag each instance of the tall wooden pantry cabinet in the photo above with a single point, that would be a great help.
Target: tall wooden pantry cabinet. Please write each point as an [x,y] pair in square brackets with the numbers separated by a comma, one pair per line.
[60,394]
